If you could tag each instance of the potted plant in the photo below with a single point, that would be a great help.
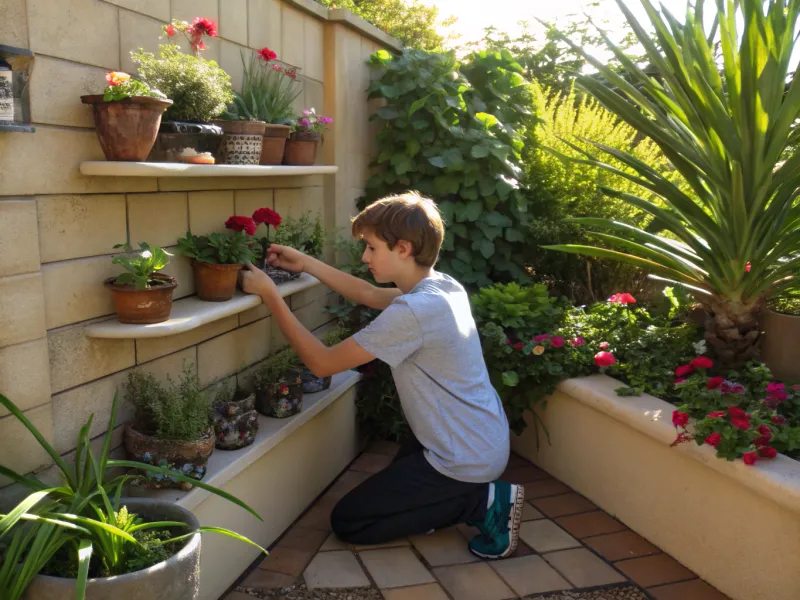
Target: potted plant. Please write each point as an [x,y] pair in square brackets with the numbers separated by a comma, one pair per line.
[200,91]
[217,258]
[279,386]
[269,90]
[268,217]
[301,149]
[311,383]
[141,294]
[781,325]
[235,418]
[127,116]
[171,428]
[83,540]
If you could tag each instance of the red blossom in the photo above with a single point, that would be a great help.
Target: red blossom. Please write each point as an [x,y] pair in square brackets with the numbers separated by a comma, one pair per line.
[556,341]
[702,362]
[743,424]
[268,216]
[238,223]
[603,345]
[277,68]
[750,458]
[767,452]
[680,419]
[292,73]
[714,383]
[717,414]
[764,430]
[737,388]
[737,413]
[203,26]
[518,346]
[747,267]
[604,359]
[777,391]
[540,338]
[622,299]
[267,55]
[713,440]
[578,341]
[779,420]
[684,370]
[170,30]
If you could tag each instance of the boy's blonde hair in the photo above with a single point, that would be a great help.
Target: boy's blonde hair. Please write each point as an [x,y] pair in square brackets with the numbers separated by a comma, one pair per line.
[407,217]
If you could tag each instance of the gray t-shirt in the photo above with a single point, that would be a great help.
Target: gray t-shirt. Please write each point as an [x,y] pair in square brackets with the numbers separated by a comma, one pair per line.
[429,339]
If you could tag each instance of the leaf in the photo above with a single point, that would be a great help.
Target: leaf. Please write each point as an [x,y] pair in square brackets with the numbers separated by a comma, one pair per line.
[412,146]
[497,219]
[487,120]
[387,113]
[417,105]
[402,163]
[479,151]
[486,248]
[419,124]
[473,210]
[514,235]
[510,378]
[469,193]
[446,184]
[438,161]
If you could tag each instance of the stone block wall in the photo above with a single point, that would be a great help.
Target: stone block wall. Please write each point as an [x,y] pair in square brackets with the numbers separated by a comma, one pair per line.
[58,227]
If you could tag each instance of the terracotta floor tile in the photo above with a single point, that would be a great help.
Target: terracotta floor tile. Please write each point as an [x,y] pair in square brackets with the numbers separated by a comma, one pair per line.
[545,536]
[395,567]
[371,463]
[444,547]
[468,531]
[264,580]
[545,487]
[563,505]
[348,481]
[333,543]
[286,560]
[384,447]
[335,570]
[621,545]
[523,474]
[588,524]
[303,538]
[429,591]
[529,513]
[529,575]
[654,570]
[317,517]
[476,581]
[522,550]
[687,590]
[582,568]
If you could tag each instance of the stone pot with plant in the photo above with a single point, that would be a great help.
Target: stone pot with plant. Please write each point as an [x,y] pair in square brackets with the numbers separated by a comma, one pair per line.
[235,418]
[279,385]
[303,144]
[217,258]
[200,91]
[269,89]
[83,540]
[311,383]
[781,326]
[141,294]
[172,428]
[127,117]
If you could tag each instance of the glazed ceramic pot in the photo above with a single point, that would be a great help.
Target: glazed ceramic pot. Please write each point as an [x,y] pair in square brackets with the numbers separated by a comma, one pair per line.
[236,422]
[283,398]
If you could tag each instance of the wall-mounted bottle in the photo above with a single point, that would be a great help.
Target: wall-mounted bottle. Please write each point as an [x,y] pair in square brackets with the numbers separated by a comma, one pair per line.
[6,92]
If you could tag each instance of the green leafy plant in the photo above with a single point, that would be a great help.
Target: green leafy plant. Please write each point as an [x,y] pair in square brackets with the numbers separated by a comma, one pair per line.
[512,306]
[439,136]
[275,367]
[83,517]
[220,248]
[169,410]
[268,91]
[303,233]
[733,238]
[122,86]
[199,89]
[140,266]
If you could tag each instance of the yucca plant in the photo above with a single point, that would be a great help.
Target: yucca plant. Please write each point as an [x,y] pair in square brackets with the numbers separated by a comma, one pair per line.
[723,126]
[83,517]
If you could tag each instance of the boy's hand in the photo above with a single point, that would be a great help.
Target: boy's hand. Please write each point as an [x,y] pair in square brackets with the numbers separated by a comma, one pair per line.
[254,281]
[284,257]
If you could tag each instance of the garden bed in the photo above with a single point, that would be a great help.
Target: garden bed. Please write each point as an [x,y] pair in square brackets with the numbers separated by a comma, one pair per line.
[735,525]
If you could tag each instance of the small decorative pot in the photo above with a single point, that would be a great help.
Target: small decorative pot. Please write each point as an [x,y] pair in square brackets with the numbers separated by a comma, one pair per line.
[274,144]
[313,384]
[214,282]
[236,422]
[187,458]
[127,129]
[243,141]
[282,399]
[175,138]
[140,307]
[301,148]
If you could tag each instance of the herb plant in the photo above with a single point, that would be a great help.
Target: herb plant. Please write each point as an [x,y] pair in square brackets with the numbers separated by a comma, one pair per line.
[140,266]
[303,233]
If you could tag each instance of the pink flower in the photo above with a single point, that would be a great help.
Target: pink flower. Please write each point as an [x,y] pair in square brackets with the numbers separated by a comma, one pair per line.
[684,370]
[680,419]
[702,362]
[306,112]
[540,338]
[603,345]
[747,267]
[578,341]
[604,359]
[304,122]
[556,341]
[622,299]
[777,391]
[326,120]
[277,68]
[713,440]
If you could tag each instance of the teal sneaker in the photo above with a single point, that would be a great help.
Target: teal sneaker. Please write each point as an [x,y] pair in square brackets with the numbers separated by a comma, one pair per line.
[500,528]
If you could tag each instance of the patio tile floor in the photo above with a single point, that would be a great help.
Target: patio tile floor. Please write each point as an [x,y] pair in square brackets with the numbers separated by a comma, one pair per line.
[569,549]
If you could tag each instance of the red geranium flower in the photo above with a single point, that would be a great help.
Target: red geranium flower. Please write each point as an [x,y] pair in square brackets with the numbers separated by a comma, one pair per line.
[717,414]
[680,419]
[268,216]
[203,26]
[238,223]
[702,362]
[540,338]
[518,346]
[713,440]
[267,54]
[747,267]
[556,341]
[604,359]
[170,30]
[750,458]
[622,299]
[578,341]
[684,370]
[714,383]
[767,452]
[679,380]
[778,420]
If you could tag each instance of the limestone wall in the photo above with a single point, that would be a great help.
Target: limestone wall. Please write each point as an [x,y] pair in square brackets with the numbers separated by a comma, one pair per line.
[57,227]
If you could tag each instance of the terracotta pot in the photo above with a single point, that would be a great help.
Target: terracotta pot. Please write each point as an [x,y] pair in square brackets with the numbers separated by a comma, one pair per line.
[779,349]
[301,149]
[274,144]
[283,398]
[215,283]
[187,458]
[142,307]
[127,129]
[236,422]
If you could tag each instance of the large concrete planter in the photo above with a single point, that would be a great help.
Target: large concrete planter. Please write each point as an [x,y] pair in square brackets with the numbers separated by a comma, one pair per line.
[175,579]
[738,527]
[780,349]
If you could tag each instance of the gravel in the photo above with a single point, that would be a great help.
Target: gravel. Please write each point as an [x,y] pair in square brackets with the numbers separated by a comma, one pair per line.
[620,593]
[299,591]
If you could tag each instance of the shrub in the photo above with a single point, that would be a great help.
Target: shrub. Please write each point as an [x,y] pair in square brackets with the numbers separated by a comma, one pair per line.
[303,233]
[199,89]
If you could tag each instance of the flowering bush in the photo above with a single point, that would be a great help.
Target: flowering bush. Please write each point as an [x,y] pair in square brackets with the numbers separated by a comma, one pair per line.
[121,86]
[199,29]
[310,122]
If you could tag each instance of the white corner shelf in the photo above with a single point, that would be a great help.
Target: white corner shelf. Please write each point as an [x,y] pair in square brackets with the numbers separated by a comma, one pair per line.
[191,313]
[103,168]
[224,465]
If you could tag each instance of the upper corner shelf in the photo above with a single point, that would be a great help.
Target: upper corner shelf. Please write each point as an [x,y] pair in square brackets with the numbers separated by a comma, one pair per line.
[191,313]
[149,169]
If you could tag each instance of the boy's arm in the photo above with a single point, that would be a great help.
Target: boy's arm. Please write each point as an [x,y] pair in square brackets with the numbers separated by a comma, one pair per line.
[354,289]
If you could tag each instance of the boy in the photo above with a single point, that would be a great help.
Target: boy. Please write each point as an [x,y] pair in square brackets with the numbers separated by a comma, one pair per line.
[447,473]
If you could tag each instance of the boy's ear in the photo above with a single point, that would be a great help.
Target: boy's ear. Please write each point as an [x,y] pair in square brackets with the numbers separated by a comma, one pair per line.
[404,249]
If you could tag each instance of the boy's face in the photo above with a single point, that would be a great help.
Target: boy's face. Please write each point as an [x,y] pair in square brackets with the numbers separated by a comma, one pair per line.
[384,264]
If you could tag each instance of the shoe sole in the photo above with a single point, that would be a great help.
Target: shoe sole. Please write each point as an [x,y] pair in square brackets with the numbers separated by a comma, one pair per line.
[514,521]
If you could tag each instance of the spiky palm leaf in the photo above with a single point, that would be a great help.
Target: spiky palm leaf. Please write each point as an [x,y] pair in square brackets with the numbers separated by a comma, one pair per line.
[724,128]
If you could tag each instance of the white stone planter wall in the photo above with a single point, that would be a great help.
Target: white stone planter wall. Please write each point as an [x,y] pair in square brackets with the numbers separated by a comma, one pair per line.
[736,526]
